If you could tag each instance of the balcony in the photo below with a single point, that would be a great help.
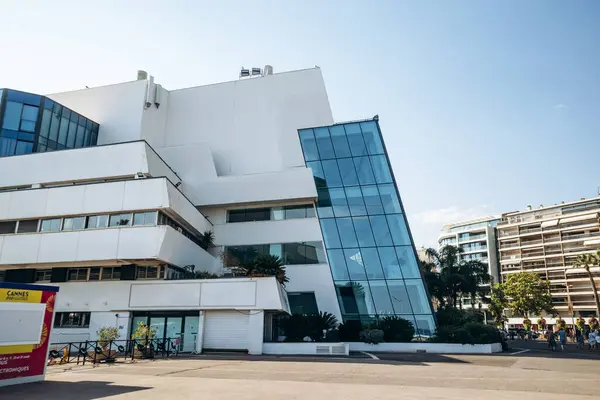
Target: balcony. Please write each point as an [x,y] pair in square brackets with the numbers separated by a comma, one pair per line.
[529,230]
[530,242]
[470,238]
[509,245]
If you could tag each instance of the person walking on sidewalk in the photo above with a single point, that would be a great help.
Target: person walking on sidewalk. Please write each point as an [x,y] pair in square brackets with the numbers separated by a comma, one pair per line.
[579,338]
[562,335]
[551,339]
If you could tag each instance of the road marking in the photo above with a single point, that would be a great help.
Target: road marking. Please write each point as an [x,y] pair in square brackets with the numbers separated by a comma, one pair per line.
[519,352]
[370,355]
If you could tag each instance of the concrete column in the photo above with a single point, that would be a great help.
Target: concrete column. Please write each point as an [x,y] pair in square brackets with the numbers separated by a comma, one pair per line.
[256,324]
[200,336]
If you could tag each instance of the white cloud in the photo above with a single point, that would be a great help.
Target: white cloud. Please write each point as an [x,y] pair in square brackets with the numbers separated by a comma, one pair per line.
[451,214]
[561,107]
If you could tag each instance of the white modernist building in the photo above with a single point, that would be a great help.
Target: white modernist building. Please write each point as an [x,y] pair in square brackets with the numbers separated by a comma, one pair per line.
[117,219]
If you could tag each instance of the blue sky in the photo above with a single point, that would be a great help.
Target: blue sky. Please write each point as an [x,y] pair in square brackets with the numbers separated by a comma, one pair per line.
[486,106]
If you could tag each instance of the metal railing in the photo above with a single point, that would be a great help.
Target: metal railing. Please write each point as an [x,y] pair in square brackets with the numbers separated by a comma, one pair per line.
[94,351]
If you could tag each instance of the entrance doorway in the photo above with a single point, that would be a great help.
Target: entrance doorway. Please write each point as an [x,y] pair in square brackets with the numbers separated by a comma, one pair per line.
[179,325]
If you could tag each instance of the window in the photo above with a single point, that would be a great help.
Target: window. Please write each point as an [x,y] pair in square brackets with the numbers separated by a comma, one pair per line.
[12,115]
[97,221]
[43,275]
[77,274]
[28,118]
[94,274]
[72,320]
[148,272]
[324,144]
[297,253]
[73,224]
[28,226]
[50,225]
[303,303]
[7,227]
[271,214]
[111,273]
[309,146]
[120,220]
[144,218]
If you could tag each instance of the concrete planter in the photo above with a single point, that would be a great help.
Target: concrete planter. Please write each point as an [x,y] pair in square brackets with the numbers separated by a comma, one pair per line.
[437,348]
[307,348]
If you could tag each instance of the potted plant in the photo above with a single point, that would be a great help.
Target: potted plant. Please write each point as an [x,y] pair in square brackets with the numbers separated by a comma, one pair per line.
[143,340]
[104,352]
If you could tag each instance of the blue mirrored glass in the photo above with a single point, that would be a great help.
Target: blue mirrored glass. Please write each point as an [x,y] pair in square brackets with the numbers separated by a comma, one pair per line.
[8,133]
[62,131]
[398,229]
[72,134]
[324,143]
[372,263]
[372,137]
[23,148]
[355,298]
[363,231]
[309,146]
[380,230]
[317,171]
[338,202]
[381,298]
[408,262]
[330,233]
[389,262]
[22,97]
[425,326]
[12,115]
[7,146]
[29,137]
[337,262]
[372,200]
[340,143]
[355,139]
[349,177]
[363,297]
[399,296]
[381,169]
[45,126]
[354,262]
[346,231]
[417,295]
[364,170]
[30,113]
[332,173]
[355,201]
[391,205]
[324,208]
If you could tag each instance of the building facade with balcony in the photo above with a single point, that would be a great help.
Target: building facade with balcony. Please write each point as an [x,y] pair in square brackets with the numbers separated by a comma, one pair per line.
[118,223]
[547,241]
[477,241]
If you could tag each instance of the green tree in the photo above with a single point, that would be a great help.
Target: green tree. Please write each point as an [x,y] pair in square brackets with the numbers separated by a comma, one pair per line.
[527,293]
[586,261]
[498,303]
[449,278]
[266,265]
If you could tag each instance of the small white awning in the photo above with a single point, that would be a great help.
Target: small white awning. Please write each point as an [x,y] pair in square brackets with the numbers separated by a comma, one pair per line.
[547,224]
[579,218]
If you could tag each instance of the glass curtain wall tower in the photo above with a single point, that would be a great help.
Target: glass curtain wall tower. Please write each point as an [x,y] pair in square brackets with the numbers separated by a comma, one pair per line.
[369,246]
[31,123]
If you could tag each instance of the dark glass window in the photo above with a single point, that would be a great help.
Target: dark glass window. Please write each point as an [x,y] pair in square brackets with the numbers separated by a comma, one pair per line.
[120,219]
[293,212]
[398,229]
[319,175]
[417,295]
[23,148]
[332,173]
[94,274]
[337,262]
[372,200]
[371,135]
[363,231]
[236,216]
[372,263]
[77,274]
[340,143]
[144,218]
[7,227]
[346,230]
[380,230]
[407,261]
[303,303]
[97,221]
[54,124]
[389,198]
[355,201]
[7,146]
[389,262]
[364,170]
[46,119]
[12,115]
[381,169]
[73,224]
[63,130]
[258,214]
[364,299]
[27,226]
[348,173]
[72,319]
[330,233]
[381,297]
[29,118]
[324,143]
[79,137]
[355,139]
[324,208]
[354,262]
[72,134]
[399,297]
[50,225]
[309,146]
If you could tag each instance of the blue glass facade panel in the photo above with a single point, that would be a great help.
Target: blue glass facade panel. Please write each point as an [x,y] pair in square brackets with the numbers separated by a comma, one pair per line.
[367,239]
[32,123]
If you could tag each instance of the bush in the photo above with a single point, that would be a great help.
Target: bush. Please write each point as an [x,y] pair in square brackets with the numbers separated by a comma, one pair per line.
[450,316]
[350,330]
[107,334]
[297,327]
[371,336]
[396,329]
[469,333]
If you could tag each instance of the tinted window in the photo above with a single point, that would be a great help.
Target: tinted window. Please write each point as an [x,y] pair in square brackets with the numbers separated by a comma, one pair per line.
[236,216]
[330,233]
[381,169]
[355,201]
[145,218]
[372,263]
[324,143]
[372,138]
[372,200]
[381,297]
[324,207]
[340,143]
[7,227]
[12,115]
[338,202]
[398,229]
[399,297]
[309,146]
[337,262]
[380,230]
[303,303]
[389,198]
[389,262]
[27,226]
[364,170]
[346,230]
[332,173]
[73,223]
[407,261]
[363,231]
[355,139]
[354,262]
[319,175]
[120,220]
[348,173]
[50,225]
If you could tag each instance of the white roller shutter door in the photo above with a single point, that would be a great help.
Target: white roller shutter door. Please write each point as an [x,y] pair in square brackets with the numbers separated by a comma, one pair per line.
[226,330]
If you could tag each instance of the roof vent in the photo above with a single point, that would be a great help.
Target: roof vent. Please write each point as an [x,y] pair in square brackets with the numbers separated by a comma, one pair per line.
[142,75]
[529,206]
[268,70]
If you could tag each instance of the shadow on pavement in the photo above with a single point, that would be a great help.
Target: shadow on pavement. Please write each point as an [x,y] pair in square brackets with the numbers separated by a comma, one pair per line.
[84,390]
[540,348]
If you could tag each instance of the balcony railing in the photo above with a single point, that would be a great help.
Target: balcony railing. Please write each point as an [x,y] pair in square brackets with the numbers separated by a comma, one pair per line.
[471,237]
[529,230]
[531,242]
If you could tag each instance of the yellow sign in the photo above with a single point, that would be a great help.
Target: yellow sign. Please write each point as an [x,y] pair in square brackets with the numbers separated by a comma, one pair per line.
[20,296]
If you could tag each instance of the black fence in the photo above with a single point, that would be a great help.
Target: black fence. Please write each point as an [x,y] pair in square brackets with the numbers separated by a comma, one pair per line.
[112,351]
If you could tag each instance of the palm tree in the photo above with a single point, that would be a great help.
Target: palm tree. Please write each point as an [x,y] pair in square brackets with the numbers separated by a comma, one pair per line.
[266,265]
[585,261]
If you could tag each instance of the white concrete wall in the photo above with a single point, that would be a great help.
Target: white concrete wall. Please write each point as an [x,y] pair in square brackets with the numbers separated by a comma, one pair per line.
[437,348]
[117,108]
[263,232]
[314,278]
[154,121]
[308,349]
[85,164]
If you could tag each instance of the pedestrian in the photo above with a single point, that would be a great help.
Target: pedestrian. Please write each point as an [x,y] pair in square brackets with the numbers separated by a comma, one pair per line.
[551,339]
[579,338]
[562,335]
[592,340]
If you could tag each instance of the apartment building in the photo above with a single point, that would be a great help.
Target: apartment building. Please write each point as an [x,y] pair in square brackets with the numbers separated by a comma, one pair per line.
[477,240]
[547,241]
[111,189]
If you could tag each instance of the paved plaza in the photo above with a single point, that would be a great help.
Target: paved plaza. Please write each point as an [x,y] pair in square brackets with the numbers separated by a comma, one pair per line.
[534,372]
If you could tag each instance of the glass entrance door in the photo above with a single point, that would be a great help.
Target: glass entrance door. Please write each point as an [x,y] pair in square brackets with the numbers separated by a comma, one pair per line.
[173,330]
[190,334]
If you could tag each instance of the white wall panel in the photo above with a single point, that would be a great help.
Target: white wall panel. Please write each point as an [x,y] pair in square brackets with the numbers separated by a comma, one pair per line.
[65,200]
[104,197]
[26,203]
[219,294]
[145,194]
[263,232]
[179,250]
[57,247]
[140,242]
[20,249]
[161,296]
[186,210]
[100,244]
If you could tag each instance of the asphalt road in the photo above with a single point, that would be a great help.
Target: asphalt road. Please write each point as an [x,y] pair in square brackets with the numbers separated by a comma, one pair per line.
[512,375]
